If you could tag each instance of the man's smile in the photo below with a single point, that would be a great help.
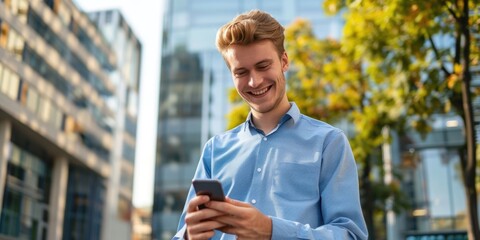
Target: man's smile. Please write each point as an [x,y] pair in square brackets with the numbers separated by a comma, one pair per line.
[260,92]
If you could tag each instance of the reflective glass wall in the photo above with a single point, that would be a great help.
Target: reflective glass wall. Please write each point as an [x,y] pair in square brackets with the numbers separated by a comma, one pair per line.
[24,212]
[432,179]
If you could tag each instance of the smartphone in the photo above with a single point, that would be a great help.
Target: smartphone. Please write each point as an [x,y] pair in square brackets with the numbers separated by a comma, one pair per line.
[211,187]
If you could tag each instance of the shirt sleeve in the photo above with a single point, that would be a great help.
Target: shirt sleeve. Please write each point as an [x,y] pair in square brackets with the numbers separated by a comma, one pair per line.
[202,172]
[340,202]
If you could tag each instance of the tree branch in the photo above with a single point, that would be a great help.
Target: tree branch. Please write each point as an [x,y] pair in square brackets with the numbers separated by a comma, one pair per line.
[451,10]
[437,55]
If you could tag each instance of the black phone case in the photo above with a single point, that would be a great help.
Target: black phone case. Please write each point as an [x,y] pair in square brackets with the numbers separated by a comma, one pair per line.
[211,187]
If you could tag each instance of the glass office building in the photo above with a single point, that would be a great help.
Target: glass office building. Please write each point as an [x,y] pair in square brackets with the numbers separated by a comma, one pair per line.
[193,89]
[59,125]
[128,50]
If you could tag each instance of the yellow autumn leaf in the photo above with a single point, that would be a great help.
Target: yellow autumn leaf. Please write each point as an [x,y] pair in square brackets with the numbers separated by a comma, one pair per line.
[452,80]
[457,68]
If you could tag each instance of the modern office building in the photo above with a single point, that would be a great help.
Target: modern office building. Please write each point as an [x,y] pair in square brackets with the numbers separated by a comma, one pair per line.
[193,89]
[122,40]
[67,130]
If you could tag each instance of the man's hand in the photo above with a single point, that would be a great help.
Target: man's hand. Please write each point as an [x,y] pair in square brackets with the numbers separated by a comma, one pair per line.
[201,223]
[242,219]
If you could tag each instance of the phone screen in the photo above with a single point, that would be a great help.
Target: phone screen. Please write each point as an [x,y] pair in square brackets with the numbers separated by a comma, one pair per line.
[211,187]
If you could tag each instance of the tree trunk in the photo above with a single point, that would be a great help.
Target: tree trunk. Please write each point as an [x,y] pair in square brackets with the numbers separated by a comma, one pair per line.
[367,198]
[469,165]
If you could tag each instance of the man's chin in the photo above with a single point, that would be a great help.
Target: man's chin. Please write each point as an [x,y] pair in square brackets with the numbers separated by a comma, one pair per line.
[260,109]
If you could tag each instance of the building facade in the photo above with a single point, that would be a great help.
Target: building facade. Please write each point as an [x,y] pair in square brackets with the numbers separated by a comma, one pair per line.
[142,223]
[67,130]
[128,49]
[194,87]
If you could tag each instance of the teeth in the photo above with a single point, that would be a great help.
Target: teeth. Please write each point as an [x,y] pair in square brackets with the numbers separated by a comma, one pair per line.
[260,92]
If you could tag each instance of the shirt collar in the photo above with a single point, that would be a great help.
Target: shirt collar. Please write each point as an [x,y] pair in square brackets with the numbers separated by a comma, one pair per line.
[293,113]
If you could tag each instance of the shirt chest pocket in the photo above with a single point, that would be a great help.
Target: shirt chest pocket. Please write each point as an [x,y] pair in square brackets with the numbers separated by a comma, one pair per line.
[296,181]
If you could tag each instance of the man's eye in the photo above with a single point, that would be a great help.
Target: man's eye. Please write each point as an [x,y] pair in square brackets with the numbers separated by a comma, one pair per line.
[239,74]
[263,67]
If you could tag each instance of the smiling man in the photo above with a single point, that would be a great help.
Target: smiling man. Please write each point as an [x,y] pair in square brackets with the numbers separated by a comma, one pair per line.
[286,175]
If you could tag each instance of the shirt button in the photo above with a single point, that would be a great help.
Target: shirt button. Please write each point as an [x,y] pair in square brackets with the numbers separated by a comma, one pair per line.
[253,201]
[259,169]
[265,139]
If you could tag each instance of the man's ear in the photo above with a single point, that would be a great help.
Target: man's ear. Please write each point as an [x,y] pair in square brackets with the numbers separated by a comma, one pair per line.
[285,63]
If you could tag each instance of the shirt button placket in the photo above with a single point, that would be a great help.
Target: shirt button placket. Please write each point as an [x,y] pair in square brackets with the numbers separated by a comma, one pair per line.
[257,177]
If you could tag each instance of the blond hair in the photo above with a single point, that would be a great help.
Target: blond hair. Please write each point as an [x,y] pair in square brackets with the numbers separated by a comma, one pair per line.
[250,27]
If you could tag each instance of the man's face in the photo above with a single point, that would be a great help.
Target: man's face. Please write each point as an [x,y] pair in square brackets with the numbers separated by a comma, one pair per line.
[257,73]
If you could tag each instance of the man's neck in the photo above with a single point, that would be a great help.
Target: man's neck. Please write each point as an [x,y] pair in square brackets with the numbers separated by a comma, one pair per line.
[268,121]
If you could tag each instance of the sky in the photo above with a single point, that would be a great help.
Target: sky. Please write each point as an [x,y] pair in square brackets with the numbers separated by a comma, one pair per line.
[145,19]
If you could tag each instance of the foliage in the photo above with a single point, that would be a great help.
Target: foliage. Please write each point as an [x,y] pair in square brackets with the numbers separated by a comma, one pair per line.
[424,49]
[239,111]
[330,84]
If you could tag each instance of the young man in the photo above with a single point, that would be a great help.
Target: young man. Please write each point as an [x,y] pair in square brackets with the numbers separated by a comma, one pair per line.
[287,176]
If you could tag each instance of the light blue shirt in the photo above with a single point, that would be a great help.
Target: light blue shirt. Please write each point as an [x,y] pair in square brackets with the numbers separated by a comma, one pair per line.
[303,175]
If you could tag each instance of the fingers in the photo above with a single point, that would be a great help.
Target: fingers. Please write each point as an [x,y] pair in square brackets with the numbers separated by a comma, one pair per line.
[195,202]
[203,235]
[201,215]
[205,226]
[241,219]
[203,230]
[229,207]
[236,202]
[201,223]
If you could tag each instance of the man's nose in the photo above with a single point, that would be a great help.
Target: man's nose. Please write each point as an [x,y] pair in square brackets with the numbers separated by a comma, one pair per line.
[255,80]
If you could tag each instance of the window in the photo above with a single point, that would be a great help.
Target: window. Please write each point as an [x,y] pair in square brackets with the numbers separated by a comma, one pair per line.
[32,99]
[5,77]
[3,34]
[22,213]
[44,109]
[15,155]
[9,83]
[11,41]
[51,4]
[108,17]
[64,14]
[19,8]
[14,86]
[56,117]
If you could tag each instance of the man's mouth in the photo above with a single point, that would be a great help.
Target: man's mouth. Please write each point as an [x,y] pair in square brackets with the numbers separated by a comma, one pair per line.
[260,91]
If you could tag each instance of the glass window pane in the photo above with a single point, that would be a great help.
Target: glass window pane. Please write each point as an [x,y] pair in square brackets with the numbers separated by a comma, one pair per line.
[6,76]
[15,158]
[14,85]
[32,99]
[58,119]
[11,40]
[45,113]
[40,105]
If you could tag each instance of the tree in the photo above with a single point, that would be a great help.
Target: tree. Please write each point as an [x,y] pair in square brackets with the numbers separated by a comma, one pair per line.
[330,85]
[427,48]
